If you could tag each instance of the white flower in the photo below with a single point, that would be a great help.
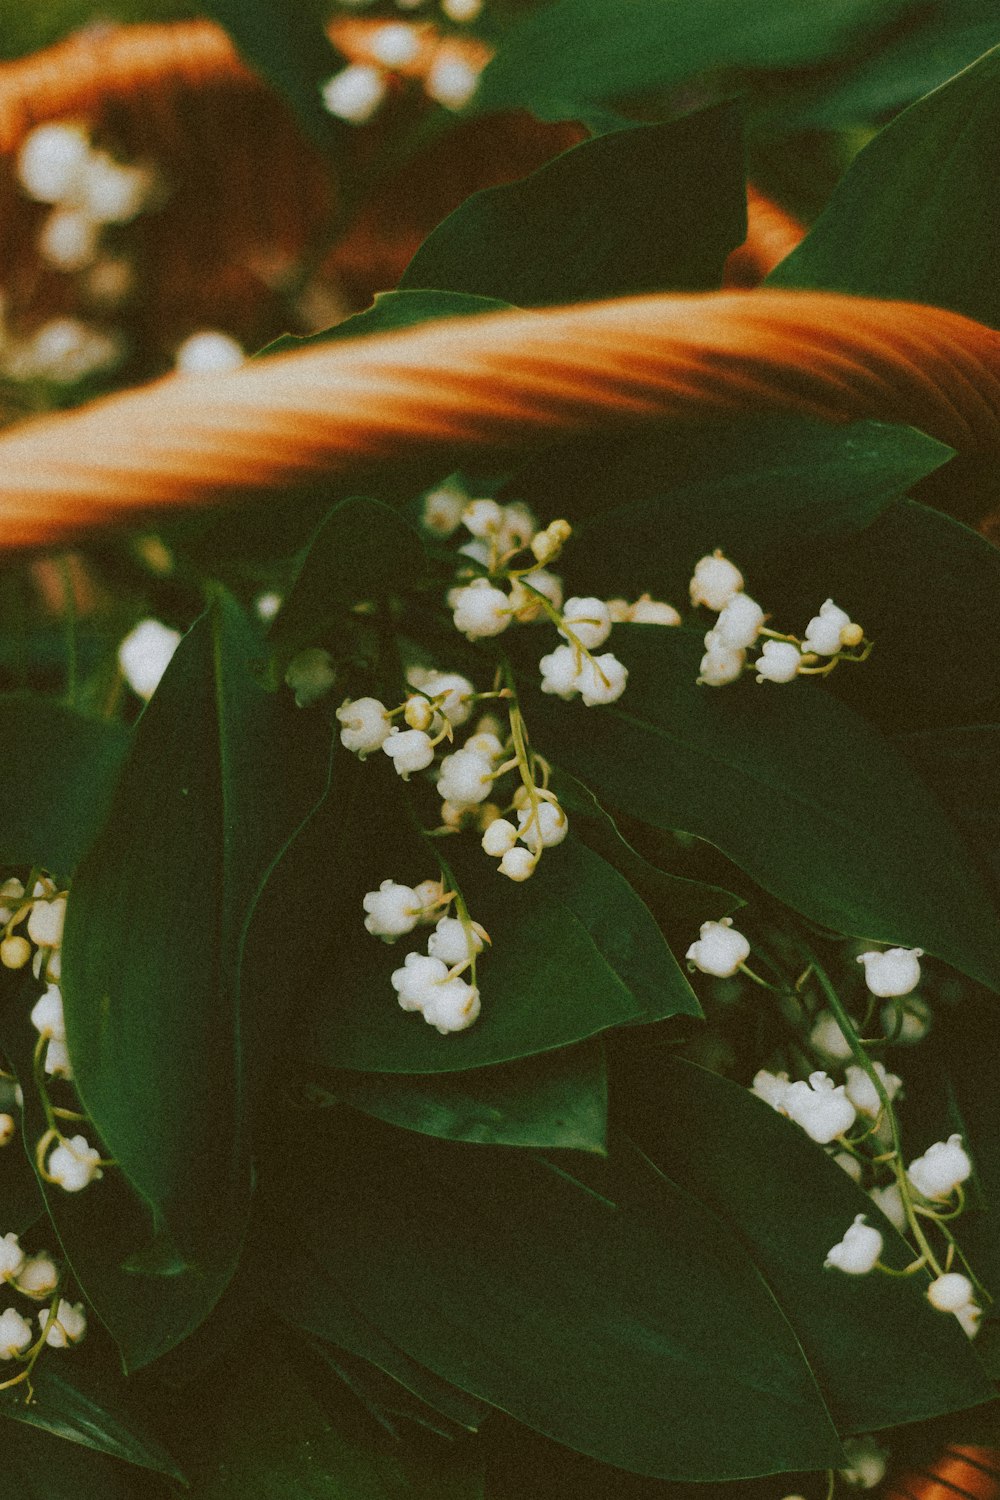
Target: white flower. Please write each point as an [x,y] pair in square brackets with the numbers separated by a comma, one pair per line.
[267,605]
[524,600]
[45,922]
[392,910]
[721,664]
[560,672]
[64,350]
[451,80]
[719,950]
[15,1333]
[479,609]
[14,952]
[69,239]
[145,653]
[453,1006]
[67,1327]
[486,744]
[620,611]
[366,725]
[414,982]
[588,620]
[862,1092]
[826,1037]
[38,1277]
[74,1164]
[428,894]
[208,352]
[771,1087]
[499,837]
[739,623]
[57,1063]
[454,694]
[517,864]
[849,1164]
[484,518]
[546,827]
[647,611]
[715,581]
[890,1201]
[418,713]
[395,45]
[866,1463]
[8,1129]
[355,93]
[858,1251]
[950,1292]
[519,526]
[823,1111]
[830,630]
[47,1015]
[12,1257]
[111,192]
[968,1319]
[466,778]
[11,896]
[907,1022]
[941,1169]
[547,544]
[895,972]
[601,679]
[779,661]
[51,162]
[461,10]
[409,750]
[452,943]
[442,510]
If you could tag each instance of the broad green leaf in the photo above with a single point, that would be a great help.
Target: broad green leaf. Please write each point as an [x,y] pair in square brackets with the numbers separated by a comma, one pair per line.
[59,771]
[391,311]
[575,52]
[391,1404]
[765,491]
[962,768]
[569,1306]
[878,1351]
[286,43]
[574,952]
[649,208]
[279,1431]
[219,775]
[363,552]
[803,794]
[557,1100]
[930,238]
[38,1466]
[74,1406]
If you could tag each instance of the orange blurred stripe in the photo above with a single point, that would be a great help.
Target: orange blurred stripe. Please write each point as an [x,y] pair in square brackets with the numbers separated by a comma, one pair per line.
[961,1473]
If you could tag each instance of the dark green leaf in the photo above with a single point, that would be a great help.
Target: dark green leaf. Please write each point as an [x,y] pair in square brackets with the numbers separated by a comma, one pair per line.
[795,788]
[219,775]
[649,208]
[59,773]
[962,768]
[586,1312]
[362,553]
[576,52]
[285,41]
[40,1467]
[77,1409]
[931,238]
[389,312]
[558,1100]
[391,1404]
[878,1352]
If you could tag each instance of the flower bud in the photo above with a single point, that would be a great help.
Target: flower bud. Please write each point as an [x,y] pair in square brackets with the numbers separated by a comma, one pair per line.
[779,661]
[715,581]
[647,611]
[355,93]
[393,910]
[15,1333]
[588,620]
[38,1277]
[15,952]
[499,837]
[480,610]
[68,1326]
[719,950]
[823,1111]
[895,972]
[857,1253]
[950,1292]
[518,864]
[409,750]
[74,1164]
[12,1257]
[366,725]
[941,1169]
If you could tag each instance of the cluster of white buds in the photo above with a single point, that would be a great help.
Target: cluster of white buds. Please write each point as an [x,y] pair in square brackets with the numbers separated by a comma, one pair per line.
[43,914]
[446,69]
[430,982]
[541,824]
[717,584]
[36,1277]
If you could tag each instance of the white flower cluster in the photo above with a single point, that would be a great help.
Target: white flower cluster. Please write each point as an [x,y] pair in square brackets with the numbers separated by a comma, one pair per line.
[430,982]
[43,914]
[36,1277]
[718,585]
[448,71]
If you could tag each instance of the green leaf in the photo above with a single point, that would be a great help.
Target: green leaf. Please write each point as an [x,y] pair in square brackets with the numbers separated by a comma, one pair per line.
[276,1433]
[391,1404]
[558,1100]
[799,791]
[363,552]
[576,52]
[39,1467]
[573,953]
[79,1410]
[286,43]
[878,1352]
[389,312]
[571,1307]
[649,208]
[962,768]
[931,238]
[59,773]
[220,773]
[770,491]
